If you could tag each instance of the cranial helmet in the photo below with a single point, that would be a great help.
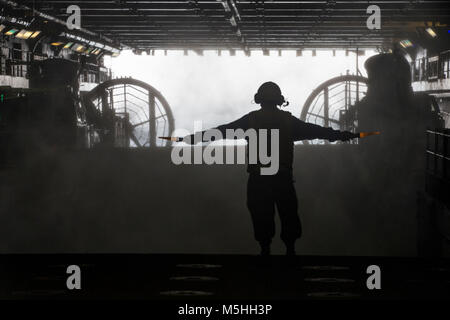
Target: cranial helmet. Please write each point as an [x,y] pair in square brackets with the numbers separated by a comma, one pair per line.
[269,92]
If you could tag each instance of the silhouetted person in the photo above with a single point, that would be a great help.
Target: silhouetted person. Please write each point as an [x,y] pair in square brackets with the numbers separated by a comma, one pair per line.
[402,116]
[391,106]
[397,158]
[264,192]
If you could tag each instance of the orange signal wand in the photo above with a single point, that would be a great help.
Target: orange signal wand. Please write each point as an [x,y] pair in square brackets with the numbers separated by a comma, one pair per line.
[367,134]
[173,139]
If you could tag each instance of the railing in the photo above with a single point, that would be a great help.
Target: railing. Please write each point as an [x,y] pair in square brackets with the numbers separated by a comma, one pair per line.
[14,62]
[438,153]
[445,65]
[431,68]
[438,159]
[95,74]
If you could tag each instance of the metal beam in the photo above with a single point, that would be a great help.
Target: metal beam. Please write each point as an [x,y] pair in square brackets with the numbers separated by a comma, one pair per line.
[230,24]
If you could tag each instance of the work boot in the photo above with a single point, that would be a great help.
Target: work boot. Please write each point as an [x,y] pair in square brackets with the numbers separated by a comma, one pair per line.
[265,249]
[291,259]
[290,249]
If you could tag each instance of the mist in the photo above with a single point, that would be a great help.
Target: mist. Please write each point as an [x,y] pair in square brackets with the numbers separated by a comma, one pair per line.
[122,200]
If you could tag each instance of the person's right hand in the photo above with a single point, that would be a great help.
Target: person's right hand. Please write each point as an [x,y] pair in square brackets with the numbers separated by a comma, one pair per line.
[189,139]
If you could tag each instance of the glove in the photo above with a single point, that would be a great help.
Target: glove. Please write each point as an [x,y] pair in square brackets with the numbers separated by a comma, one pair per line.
[189,139]
[346,135]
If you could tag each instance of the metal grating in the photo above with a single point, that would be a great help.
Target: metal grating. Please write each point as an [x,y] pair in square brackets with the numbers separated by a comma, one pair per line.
[233,24]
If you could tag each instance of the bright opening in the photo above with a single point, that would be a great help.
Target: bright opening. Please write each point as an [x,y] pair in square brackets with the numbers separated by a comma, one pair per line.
[218,89]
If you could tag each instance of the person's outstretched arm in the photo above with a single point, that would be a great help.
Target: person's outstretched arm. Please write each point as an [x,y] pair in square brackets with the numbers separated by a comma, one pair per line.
[308,131]
[241,123]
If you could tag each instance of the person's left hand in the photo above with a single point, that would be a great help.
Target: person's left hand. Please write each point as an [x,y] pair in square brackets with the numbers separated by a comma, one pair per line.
[347,135]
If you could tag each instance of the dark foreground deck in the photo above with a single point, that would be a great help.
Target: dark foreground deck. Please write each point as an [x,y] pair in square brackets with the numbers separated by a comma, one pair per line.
[191,278]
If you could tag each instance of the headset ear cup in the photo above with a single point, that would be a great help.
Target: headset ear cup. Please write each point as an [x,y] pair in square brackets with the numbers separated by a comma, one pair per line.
[256,98]
[282,100]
